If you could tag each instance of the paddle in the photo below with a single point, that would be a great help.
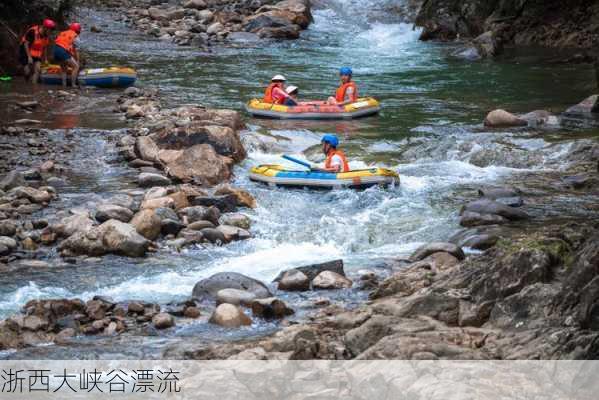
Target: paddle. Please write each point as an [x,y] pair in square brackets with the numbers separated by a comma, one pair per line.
[304,163]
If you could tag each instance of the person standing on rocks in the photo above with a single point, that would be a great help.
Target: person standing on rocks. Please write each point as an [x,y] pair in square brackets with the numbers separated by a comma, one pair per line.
[65,52]
[33,49]
[276,94]
[347,92]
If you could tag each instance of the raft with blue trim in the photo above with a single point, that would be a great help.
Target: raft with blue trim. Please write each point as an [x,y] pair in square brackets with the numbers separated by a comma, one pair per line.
[277,175]
[363,107]
[111,77]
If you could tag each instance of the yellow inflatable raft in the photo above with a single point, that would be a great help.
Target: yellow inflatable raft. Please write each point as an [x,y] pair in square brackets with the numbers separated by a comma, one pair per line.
[277,175]
[364,107]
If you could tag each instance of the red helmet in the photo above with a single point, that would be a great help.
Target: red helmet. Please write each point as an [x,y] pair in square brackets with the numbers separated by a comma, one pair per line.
[49,24]
[76,27]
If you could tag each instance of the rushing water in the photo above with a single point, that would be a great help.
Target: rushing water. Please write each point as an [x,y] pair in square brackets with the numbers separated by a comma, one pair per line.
[433,105]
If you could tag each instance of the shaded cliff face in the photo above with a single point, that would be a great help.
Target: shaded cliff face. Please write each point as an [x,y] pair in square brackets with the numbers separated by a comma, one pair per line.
[551,23]
[17,16]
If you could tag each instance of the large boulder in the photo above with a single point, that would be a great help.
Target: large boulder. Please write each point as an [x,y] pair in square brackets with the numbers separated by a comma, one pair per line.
[200,164]
[229,316]
[147,223]
[209,287]
[503,119]
[223,139]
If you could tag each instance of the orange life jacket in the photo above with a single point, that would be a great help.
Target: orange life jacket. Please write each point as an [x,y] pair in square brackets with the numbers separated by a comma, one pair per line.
[341,91]
[36,49]
[269,97]
[329,161]
[66,39]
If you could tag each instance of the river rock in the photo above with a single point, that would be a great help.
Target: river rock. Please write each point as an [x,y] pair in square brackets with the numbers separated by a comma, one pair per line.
[12,180]
[486,206]
[232,233]
[163,321]
[584,109]
[8,242]
[225,203]
[191,236]
[149,180]
[200,164]
[244,198]
[223,139]
[503,119]
[294,280]
[31,194]
[235,219]
[161,202]
[147,224]
[436,247]
[270,308]
[331,280]
[214,236]
[200,213]
[157,14]
[147,149]
[191,312]
[214,28]
[209,287]
[480,242]
[470,219]
[74,223]
[199,225]
[229,316]
[540,118]
[314,269]
[8,228]
[235,296]
[498,193]
[111,211]
[195,4]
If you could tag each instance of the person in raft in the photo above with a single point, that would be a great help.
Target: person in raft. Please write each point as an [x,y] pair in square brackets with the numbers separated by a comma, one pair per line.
[293,92]
[276,94]
[347,92]
[335,159]
[33,48]
[65,53]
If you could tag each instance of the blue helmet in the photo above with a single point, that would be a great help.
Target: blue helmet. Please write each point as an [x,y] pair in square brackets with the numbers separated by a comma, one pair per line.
[333,140]
[345,71]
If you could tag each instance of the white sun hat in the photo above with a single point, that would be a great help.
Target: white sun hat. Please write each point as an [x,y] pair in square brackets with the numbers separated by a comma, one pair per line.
[291,89]
[278,78]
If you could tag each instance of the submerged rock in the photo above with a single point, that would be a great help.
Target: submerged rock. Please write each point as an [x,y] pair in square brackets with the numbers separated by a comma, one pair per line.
[312,270]
[486,206]
[270,307]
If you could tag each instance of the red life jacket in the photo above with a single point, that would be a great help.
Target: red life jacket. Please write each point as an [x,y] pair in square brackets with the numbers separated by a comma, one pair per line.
[36,49]
[329,161]
[271,96]
[341,91]
[66,39]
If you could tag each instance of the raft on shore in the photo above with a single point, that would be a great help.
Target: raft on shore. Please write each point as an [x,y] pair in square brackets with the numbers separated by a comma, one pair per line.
[110,77]
[277,175]
[363,107]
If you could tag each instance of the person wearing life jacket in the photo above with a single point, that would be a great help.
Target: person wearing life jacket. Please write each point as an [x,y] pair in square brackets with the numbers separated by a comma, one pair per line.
[32,50]
[347,92]
[275,92]
[335,159]
[293,92]
[65,53]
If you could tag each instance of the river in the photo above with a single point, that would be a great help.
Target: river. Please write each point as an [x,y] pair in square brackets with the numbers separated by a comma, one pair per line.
[428,130]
